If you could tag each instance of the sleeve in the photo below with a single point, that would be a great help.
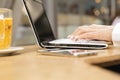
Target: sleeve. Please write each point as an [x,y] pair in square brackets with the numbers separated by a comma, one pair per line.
[116,35]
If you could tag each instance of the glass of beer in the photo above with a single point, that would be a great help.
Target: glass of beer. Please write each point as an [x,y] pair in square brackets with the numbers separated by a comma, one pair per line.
[5,28]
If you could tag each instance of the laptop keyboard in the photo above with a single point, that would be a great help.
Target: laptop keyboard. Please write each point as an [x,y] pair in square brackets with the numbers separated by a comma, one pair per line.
[73,42]
[62,41]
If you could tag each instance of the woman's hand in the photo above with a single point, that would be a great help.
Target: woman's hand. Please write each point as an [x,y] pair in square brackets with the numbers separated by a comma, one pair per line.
[98,32]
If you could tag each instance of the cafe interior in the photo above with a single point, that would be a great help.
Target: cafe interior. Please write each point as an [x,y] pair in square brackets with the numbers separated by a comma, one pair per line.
[65,16]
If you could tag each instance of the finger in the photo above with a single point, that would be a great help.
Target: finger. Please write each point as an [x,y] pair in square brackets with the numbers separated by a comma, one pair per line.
[83,31]
[94,26]
[69,36]
[77,31]
[93,35]
[80,29]
[75,35]
[89,35]
[75,38]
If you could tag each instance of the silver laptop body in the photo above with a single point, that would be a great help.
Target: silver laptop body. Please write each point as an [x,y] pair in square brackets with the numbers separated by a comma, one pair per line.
[44,34]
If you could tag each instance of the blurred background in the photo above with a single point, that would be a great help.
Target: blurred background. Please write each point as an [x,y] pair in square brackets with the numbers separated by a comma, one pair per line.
[64,15]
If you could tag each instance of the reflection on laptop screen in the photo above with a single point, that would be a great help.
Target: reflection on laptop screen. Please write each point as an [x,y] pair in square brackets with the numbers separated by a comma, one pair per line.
[39,20]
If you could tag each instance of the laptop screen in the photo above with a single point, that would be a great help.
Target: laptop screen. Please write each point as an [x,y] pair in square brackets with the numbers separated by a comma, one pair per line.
[39,20]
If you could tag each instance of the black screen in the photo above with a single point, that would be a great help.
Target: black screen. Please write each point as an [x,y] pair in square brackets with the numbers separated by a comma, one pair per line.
[39,20]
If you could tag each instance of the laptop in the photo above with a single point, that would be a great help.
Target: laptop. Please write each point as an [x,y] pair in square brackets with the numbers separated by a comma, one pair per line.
[44,34]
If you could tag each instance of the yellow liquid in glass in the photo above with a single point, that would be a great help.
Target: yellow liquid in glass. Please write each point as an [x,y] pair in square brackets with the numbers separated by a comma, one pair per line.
[8,33]
[2,33]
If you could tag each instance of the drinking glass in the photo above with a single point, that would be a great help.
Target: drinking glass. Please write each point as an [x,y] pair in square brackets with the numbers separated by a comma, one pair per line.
[5,28]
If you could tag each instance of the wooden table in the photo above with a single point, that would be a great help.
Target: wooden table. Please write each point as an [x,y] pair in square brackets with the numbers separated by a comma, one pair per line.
[30,65]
